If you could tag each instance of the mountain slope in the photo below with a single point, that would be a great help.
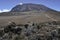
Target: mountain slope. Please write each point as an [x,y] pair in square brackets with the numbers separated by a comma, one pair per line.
[29,7]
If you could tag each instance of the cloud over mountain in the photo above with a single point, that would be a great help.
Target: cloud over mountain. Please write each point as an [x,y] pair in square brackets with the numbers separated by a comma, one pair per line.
[4,10]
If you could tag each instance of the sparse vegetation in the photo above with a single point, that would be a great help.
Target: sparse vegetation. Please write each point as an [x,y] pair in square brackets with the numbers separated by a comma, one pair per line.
[30,32]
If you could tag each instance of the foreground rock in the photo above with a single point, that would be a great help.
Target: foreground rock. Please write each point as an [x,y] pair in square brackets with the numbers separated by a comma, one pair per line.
[33,31]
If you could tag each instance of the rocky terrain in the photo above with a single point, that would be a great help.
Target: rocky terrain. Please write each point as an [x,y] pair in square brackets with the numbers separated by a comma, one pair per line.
[31,31]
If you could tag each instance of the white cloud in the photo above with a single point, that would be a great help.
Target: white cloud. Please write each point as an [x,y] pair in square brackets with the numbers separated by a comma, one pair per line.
[4,10]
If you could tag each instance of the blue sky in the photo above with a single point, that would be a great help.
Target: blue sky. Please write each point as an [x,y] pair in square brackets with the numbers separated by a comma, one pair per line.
[6,5]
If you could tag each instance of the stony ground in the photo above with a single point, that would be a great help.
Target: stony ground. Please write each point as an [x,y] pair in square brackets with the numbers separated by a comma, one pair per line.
[31,31]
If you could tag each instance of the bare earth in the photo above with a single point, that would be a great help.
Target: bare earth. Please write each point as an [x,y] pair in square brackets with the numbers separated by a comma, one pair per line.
[42,17]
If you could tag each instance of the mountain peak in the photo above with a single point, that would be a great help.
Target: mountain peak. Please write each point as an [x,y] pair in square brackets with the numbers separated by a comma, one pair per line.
[29,7]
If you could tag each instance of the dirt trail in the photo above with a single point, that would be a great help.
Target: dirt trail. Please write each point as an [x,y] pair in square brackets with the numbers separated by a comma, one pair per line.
[50,17]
